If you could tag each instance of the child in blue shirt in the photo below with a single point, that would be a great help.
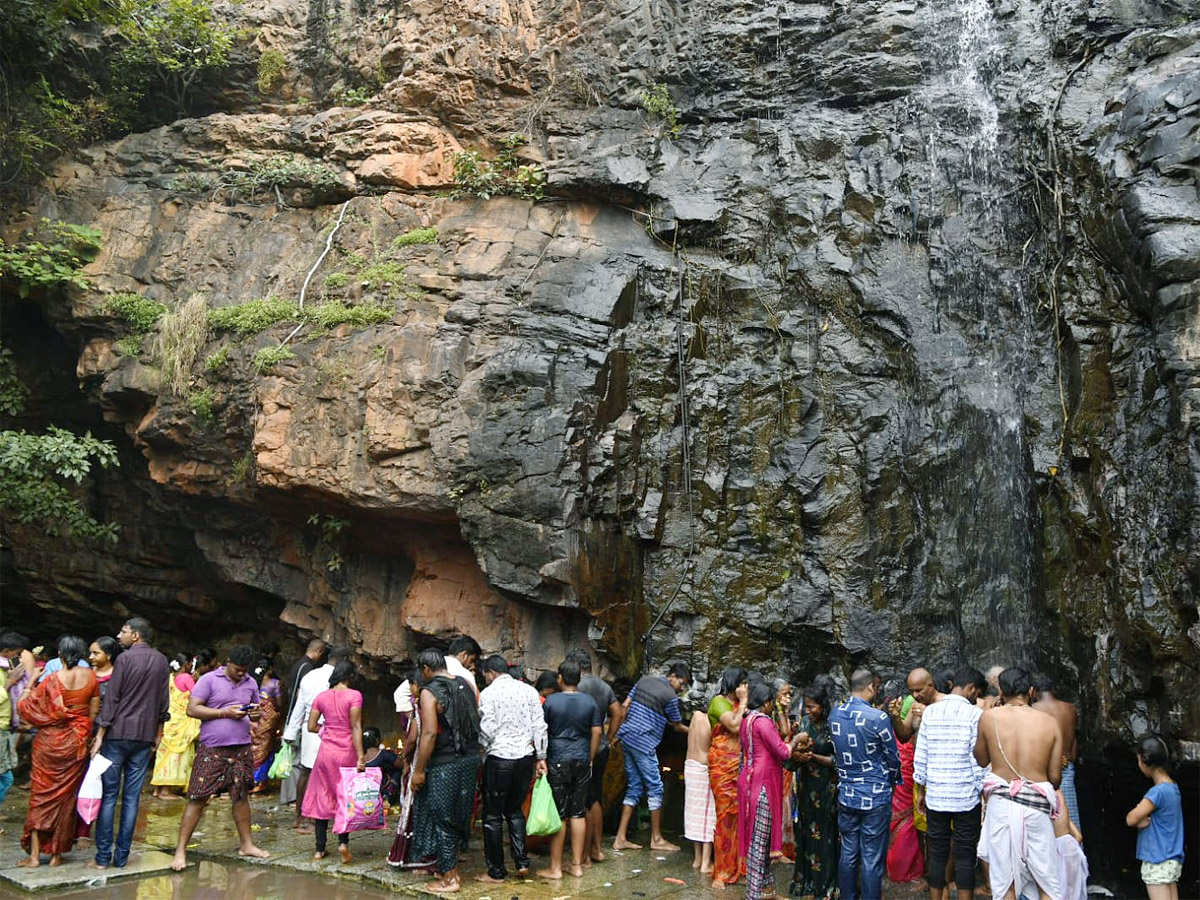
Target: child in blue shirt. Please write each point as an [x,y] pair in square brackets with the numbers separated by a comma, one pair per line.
[1159,818]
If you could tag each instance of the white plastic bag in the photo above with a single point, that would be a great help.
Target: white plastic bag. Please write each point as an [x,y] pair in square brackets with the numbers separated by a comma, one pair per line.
[91,791]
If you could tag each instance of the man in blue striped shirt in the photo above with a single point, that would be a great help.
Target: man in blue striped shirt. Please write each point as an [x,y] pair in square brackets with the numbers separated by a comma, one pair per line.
[944,763]
[652,703]
[868,765]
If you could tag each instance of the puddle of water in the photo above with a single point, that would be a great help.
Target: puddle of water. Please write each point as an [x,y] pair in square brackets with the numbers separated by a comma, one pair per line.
[217,881]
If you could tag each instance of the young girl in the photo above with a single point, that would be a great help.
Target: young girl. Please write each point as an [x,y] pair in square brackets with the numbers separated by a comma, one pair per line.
[1160,819]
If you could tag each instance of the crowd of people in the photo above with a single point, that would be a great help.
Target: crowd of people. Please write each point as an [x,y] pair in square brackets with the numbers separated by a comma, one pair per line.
[958,772]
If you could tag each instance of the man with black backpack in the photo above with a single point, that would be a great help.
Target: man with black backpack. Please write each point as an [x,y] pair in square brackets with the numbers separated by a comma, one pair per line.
[447,762]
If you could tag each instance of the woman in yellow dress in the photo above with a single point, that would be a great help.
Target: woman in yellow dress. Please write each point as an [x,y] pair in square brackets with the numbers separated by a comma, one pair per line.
[177,749]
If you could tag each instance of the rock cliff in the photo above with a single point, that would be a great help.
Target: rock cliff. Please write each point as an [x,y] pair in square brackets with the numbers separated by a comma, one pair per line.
[845,332]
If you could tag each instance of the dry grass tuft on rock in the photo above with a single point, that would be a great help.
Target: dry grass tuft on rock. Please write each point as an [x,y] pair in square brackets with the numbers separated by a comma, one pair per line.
[179,341]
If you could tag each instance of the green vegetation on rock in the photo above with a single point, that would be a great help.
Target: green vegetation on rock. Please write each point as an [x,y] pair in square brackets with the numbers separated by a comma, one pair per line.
[271,66]
[330,315]
[52,258]
[217,360]
[657,101]
[180,339]
[416,236]
[252,316]
[268,357]
[476,176]
[139,312]
[262,179]
[201,403]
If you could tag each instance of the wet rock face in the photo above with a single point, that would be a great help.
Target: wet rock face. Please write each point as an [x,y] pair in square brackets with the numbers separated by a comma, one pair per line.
[926,278]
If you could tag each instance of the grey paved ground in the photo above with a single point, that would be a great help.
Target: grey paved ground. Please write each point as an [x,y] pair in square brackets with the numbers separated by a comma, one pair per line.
[218,871]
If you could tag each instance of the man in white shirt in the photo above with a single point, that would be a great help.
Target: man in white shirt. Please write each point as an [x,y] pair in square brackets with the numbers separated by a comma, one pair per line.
[513,731]
[296,730]
[944,763]
[461,660]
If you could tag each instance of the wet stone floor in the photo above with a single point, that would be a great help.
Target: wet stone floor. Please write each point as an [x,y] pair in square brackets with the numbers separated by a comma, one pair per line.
[216,871]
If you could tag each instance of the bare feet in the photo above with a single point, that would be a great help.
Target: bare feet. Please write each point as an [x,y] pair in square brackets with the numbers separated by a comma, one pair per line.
[575,871]
[179,860]
[30,862]
[92,864]
[718,884]
[706,870]
[488,879]
[303,827]
[663,844]
[320,854]
[598,856]
[444,886]
[344,852]
[254,852]
[555,874]
[622,844]
[695,863]
[522,873]
[55,860]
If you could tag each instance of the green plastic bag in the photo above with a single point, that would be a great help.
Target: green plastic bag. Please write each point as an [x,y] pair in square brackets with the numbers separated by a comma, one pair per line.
[282,767]
[543,812]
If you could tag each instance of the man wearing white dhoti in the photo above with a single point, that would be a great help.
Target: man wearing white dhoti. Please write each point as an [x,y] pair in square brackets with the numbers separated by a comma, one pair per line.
[1023,746]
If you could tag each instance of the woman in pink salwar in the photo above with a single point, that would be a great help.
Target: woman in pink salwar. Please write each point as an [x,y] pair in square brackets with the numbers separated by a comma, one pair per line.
[341,746]
[760,790]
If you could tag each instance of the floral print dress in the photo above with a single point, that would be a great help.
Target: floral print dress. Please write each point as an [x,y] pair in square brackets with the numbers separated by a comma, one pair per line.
[815,814]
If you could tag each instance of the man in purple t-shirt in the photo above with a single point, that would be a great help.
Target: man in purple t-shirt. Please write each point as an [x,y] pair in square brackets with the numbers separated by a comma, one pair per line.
[225,701]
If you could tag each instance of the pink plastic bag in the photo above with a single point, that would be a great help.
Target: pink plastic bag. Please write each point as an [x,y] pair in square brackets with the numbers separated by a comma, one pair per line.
[359,805]
[91,791]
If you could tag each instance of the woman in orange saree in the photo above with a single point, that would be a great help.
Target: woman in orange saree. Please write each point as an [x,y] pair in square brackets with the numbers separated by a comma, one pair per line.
[725,713]
[62,707]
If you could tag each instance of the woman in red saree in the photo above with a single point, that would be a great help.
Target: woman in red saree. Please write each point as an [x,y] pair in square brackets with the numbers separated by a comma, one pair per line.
[62,707]
[725,714]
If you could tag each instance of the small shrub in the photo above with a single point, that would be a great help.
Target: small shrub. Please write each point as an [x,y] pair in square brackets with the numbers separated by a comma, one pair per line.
[335,280]
[271,66]
[252,316]
[416,236]
[217,360]
[130,345]
[52,260]
[193,183]
[379,352]
[355,96]
[330,315]
[268,357]
[475,176]
[201,404]
[13,392]
[385,274]
[355,260]
[140,312]
[333,370]
[242,471]
[656,100]
[179,341]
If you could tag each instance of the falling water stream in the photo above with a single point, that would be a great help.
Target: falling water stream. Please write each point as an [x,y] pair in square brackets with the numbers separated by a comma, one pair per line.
[982,503]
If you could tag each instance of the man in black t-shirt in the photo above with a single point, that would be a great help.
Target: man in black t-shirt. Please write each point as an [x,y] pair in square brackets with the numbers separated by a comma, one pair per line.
[574,724]
[610,707]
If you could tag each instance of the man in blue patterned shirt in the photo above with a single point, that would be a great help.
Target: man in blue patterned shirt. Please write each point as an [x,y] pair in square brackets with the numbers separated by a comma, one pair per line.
[868,765]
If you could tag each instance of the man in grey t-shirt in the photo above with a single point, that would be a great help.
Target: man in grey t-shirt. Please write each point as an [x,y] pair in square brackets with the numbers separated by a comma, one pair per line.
[606,701]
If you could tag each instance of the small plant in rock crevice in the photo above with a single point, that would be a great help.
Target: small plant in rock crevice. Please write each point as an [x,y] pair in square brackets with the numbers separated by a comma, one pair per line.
[657,101]
[268,357]
[217,360]
[506,175]
[179,341]
[263,178]
[201,403]
[415,237]
[331,528]
[271,66]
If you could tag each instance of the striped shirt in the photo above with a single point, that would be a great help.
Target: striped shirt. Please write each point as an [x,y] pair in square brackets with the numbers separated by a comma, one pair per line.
[652,704]
[945,757]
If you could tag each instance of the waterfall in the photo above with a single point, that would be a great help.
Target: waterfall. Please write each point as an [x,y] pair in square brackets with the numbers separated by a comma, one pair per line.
[981,509]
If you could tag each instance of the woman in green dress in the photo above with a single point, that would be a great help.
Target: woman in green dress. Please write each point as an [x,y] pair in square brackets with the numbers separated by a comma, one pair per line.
[815,813]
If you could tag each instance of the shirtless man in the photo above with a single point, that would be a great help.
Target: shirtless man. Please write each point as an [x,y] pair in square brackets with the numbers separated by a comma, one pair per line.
[1023,746]
[993,694]
[1067,716]
[699,808]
